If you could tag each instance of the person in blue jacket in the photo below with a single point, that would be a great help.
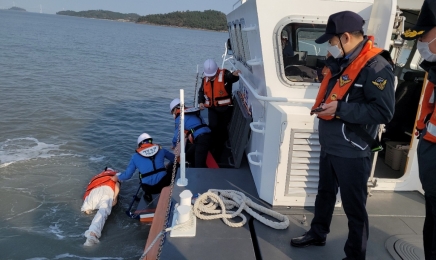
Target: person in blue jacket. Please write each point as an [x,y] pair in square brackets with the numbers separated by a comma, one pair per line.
[149,159]
[197,133]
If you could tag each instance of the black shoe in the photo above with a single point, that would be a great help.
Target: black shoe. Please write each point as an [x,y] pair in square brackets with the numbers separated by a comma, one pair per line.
[307,240]
[148,197]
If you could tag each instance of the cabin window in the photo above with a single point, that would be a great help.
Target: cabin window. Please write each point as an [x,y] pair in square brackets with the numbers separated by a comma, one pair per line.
[301,59]
[239,41]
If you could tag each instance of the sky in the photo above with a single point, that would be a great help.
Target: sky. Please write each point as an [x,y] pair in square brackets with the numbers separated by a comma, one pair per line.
[141,7]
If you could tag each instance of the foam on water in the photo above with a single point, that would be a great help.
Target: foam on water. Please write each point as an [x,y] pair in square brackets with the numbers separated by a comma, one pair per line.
[55,229]
[24,149]
[98,158]
[71,256]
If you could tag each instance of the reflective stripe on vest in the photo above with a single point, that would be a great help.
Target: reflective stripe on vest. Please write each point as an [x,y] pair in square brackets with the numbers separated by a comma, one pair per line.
[216,95]
[346,79]
[103,178]
[427,106]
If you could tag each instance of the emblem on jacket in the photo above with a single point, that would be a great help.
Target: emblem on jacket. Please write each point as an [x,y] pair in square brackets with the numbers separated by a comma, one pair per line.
[344,79]
[409,33]
[380,83]
[334,97]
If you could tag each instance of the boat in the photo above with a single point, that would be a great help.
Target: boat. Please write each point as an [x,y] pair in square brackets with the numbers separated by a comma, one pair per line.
[274,140]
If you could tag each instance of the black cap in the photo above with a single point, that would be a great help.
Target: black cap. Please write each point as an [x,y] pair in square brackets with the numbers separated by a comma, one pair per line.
[341,22]
[426,22]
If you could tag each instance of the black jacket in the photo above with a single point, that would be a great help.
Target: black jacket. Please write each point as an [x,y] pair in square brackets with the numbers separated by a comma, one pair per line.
[366,104]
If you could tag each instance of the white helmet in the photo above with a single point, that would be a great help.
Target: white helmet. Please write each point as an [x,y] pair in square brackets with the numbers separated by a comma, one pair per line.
[174,104]
[143,137]
[210,68]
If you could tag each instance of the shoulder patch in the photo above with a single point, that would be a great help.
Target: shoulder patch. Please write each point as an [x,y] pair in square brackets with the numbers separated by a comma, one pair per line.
[371,62]
[343,80]
[380,83]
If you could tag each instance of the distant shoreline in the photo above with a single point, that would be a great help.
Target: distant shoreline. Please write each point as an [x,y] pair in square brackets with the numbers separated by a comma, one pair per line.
[208,20]
[184,27]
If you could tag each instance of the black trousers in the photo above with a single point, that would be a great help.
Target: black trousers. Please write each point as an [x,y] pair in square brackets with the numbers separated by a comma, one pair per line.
[427,174]
[219,120]
[196,153]
[351,175]
[165,181]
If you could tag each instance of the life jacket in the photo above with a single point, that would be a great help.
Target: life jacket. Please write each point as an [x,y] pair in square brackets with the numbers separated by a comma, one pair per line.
[149,151]
[428,108]
[190,133]
[103,178]
[343,85]
[217,95]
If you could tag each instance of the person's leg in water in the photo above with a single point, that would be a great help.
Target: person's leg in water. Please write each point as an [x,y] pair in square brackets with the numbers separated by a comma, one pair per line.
[100,198]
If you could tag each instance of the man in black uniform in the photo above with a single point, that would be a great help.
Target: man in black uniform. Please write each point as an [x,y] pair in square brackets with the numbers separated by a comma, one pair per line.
[356,95]
[425,32]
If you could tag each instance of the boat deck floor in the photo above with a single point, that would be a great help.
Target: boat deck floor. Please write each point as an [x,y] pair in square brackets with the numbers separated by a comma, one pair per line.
[396,220]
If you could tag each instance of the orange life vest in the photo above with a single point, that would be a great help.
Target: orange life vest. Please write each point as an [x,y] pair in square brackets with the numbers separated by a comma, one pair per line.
[428,107]
[347,78]
[217,95]
[103,178]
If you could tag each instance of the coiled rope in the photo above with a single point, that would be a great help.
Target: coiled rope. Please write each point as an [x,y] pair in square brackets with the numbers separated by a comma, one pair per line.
[215,204]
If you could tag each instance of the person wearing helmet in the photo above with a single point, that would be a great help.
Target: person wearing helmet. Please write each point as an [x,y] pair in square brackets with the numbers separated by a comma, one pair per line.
[101,194]
[424,32]
[198,135]
[215,94]
[149,159]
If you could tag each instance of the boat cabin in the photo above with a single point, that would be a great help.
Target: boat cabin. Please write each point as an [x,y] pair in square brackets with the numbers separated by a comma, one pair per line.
[273,44]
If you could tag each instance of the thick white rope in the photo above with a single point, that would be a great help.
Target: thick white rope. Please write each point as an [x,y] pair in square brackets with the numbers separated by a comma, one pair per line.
[215,204]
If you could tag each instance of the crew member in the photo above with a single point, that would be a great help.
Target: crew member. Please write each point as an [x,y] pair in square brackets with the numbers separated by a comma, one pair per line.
[198,134]
[425,32]
[101,194]
[149,159]
[355,96]
[215,94]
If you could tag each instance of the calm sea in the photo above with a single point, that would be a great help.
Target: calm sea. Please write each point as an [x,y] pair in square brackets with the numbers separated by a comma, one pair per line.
[75,94]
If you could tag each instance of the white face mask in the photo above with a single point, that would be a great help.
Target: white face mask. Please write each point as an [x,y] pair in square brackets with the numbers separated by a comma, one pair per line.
[424,50]
[335,51]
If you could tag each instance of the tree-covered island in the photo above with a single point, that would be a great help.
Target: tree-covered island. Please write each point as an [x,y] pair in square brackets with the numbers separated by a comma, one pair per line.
[102,14]
[17,9]
[206,20]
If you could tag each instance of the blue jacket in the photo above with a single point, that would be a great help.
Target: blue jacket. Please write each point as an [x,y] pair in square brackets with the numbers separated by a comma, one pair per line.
[191,121]
[145,165]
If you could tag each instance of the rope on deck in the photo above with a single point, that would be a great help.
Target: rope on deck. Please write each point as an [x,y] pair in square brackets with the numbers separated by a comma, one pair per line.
[215,204]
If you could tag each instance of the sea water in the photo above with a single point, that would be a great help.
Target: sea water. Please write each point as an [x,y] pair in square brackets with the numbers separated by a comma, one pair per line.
[75,94]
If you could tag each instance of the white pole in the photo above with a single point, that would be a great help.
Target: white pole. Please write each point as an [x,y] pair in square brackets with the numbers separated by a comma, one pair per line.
[182,181]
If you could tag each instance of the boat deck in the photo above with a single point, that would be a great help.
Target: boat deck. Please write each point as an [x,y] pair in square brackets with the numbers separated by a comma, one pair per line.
[396,220]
